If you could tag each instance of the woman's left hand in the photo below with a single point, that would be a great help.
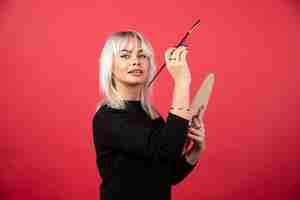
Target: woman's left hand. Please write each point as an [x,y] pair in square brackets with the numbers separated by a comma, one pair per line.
[196,137]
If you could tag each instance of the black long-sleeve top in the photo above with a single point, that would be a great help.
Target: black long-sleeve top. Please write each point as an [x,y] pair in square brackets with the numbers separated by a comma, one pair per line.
[138,157]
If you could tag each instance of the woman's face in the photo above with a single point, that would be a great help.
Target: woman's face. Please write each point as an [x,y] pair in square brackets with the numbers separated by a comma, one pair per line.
[130,65]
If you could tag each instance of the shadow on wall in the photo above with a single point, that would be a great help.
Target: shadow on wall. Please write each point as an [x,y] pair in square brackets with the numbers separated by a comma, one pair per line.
[295,5]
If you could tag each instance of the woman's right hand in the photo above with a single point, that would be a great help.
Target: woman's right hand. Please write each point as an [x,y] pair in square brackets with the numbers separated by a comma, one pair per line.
[177,66]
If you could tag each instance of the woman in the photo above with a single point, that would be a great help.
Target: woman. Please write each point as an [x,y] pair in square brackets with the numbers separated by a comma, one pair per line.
[139,155]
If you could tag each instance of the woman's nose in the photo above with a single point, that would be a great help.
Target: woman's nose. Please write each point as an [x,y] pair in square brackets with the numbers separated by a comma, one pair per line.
[135,61]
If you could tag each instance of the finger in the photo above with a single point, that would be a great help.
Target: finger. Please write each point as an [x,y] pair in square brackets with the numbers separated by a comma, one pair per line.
[168,53]
[183,57]
[199,122]
[202,124]
[181,52]
[189,147]
[201,112]
[196,138]
[177,53]
[192,129]
[202,136]
[199,141]
[196,122]
[172,54]
[196,131]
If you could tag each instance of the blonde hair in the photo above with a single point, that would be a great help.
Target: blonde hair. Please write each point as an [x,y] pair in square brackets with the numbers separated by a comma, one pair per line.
[114,43]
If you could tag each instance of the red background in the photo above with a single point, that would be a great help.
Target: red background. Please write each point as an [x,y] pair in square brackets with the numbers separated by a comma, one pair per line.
[49,90]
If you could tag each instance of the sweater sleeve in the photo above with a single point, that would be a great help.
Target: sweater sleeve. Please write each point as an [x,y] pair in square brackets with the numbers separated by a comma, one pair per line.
[181,169]
[117,132]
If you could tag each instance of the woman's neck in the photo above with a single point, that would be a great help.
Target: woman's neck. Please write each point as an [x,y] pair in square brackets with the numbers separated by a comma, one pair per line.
[130,93]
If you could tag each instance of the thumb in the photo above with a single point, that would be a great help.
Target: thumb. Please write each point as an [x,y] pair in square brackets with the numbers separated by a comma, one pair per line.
[200,112]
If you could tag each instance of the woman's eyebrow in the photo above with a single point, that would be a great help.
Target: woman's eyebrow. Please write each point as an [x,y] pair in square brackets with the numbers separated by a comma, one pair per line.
[129,51]
[126,50]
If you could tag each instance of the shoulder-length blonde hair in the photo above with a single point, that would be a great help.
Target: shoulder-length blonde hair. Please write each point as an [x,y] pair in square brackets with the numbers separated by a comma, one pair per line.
[114,43]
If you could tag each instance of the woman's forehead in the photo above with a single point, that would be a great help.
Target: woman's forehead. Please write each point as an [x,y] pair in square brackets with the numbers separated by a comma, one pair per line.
[131,44]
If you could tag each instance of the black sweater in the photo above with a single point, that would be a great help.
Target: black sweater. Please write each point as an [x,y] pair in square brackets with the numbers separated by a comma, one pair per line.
[137,157]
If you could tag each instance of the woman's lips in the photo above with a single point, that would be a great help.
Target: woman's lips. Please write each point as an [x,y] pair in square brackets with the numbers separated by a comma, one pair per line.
[136,72]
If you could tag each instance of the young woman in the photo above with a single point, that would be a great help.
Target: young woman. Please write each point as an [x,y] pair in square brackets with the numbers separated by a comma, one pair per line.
[139,155]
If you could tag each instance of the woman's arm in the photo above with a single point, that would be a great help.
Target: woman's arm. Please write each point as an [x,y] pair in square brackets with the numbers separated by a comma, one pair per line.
[181,99]
[115,131]
[181,169]
[177,66]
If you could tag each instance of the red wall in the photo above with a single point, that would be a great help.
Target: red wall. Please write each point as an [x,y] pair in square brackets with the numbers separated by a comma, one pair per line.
[49,90]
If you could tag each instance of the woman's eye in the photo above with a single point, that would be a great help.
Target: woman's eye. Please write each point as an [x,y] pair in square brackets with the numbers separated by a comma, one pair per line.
[142,56]
[124,56]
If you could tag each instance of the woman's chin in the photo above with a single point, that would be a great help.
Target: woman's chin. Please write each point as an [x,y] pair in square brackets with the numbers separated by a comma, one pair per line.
[136,82]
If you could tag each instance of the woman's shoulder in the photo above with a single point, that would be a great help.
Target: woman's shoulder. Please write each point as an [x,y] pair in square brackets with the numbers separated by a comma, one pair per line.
[100,111]
[105,114]
[104,108]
